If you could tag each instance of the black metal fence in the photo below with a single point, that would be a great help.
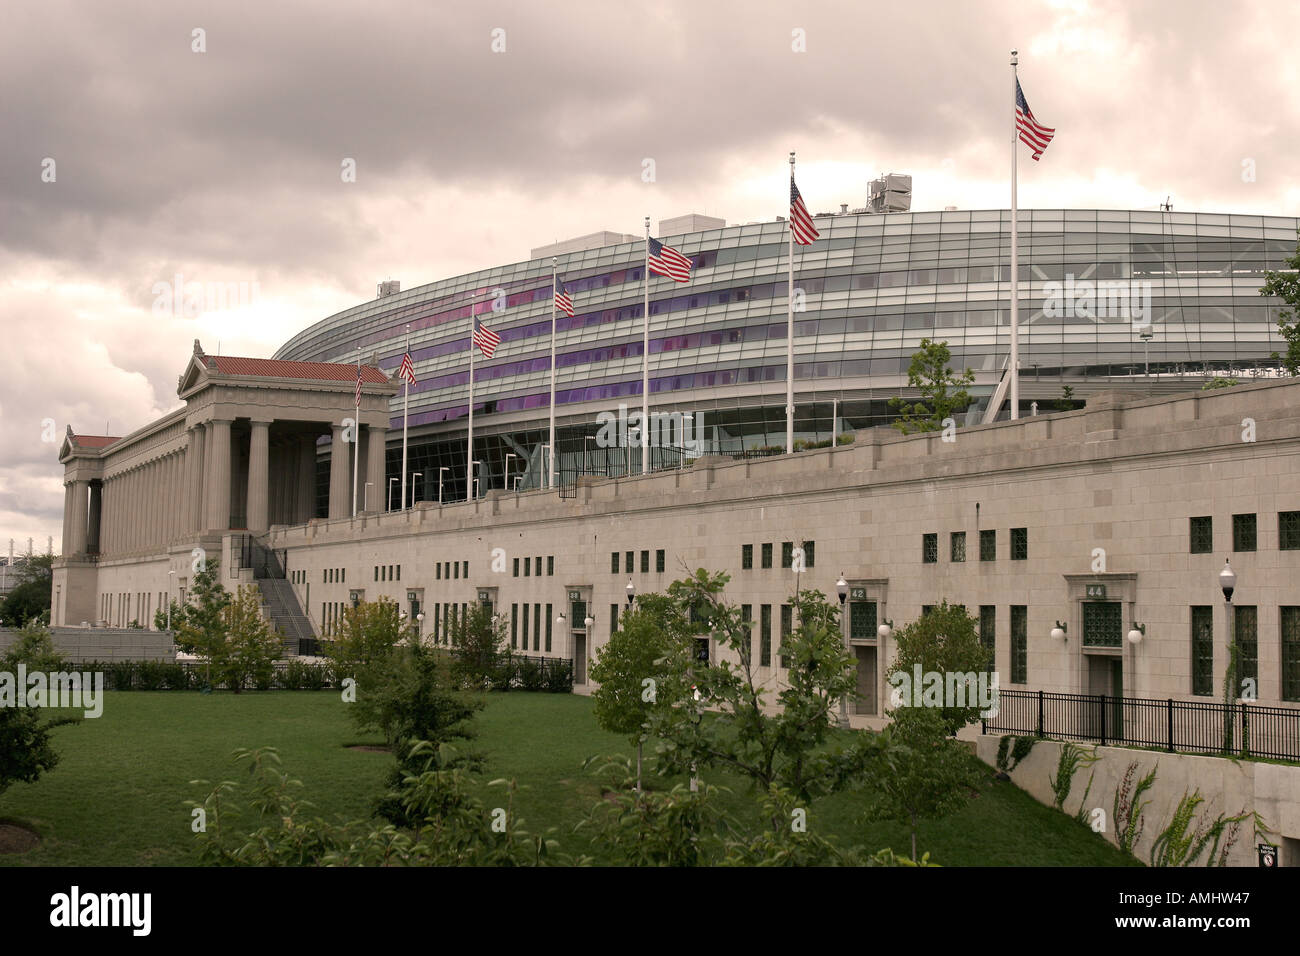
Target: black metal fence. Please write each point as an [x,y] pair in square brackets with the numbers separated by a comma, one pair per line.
[1174,725]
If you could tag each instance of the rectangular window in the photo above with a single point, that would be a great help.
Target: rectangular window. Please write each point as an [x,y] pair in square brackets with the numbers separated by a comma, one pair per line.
[376,572]
[787,554]
[929,548]
[787,628]
[537,627]
[1201,534]
[746,557]
[957,546]
[613,619]
[1103,624]
[514,625]
[464,569]
[1289,619]
[1245,626]
[549,621]
[659,560]
[645,562]
[613,562]
[1203,650]
[988,624]
[1243,532]
[456,566]
[1019,644]
[1019,544]
[926,609]
[1288,530]
[988,545]
[862,620]
[627,561]
[747,649]
[523,630]
[527,566]
[550,565]
[399,572]
[767,555]
[809,553]
[437,571]
[516,568]
[765,636]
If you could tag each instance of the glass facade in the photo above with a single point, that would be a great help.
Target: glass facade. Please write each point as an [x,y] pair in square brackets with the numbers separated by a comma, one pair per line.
[873,287]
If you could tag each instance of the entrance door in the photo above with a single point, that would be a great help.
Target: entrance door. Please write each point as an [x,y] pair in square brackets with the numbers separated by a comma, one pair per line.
[1115,719]
[580,658]
[866,703]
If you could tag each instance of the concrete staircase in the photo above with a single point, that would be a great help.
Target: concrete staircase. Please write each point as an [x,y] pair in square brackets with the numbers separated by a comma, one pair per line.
[286,613]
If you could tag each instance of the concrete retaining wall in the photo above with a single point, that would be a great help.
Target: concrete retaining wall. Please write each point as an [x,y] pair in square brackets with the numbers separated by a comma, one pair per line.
[104,643]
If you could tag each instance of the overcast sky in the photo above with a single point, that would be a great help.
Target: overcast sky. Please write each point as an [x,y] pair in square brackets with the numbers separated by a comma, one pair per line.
[226,165]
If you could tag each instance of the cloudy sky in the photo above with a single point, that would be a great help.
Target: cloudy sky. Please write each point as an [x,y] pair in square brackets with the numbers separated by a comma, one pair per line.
[136,149]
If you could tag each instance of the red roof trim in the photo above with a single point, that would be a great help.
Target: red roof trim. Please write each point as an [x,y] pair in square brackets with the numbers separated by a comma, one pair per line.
[281,368]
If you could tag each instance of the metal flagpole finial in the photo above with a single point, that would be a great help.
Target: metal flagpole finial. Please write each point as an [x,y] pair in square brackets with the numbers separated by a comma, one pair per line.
[1014,59]
[792,157]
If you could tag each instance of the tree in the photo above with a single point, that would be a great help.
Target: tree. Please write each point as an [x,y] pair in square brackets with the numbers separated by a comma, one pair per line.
[25,748]
[930,375]
[197,623]
[366,635]
[929,775]
[1220,382]
[785,748]
[249,648]
[1286,286]
[1066,402]
[943,641]
[479,639]
[30,598]
[630,666]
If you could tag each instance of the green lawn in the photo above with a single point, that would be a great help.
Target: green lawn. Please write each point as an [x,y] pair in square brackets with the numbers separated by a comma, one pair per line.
[117,797]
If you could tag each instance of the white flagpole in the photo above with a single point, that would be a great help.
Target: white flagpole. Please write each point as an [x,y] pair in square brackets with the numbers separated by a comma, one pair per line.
[469,447]
[1014,360]
[645,362]
[789,340]
[406,398]
[550,452]
[356,441]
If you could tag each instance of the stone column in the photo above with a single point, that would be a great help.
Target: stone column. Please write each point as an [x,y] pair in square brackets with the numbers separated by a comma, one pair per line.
[340,467]
[67,517]
[218,499]
[375,466]
[96,511]
[259,491]
[105,522]
[80,509]
[194,508]
[306,504]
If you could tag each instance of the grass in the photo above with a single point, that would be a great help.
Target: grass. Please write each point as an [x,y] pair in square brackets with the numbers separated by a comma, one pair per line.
[117,797]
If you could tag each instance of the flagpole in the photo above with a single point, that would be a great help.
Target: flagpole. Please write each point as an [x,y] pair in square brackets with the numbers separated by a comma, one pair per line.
[469,447]
[406,398]
[789,340]
[1014,358]
[550,466]
[645,362]
[356,439]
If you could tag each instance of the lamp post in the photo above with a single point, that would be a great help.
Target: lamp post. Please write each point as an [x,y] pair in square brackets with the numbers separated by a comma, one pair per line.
[440,471]
[586,464]
[1146,336]
[474,474]
[420,474]
[390,492]
[546,465]
[170,575]
[509,455]
[365,497]
[631,592]
[681,450]
[1228,582]
[518,478]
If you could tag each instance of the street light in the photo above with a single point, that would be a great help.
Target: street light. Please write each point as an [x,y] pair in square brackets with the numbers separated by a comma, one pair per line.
[390,492]
[365,496]
[518,478]
[1146,336]
[508,457]
[631,592]
[545,450]
[474,465]
[842,589]
[420,474]
[681,445]
[585,463]
[1058,632]
[440,471]
[170,575]
[1227,581]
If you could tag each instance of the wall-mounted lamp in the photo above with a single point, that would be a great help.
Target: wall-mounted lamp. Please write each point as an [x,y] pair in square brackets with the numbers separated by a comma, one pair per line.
[1058,632]
[1138,632]
[885,630]
[560,618]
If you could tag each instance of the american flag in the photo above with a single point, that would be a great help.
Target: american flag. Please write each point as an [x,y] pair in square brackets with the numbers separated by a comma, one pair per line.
[563,299]
[407,371]
[485,339]
[1032,133]
[804,230]
[669,263]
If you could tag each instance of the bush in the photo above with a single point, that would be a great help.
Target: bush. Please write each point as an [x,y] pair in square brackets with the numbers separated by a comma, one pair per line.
[559,677]
[120,675]
[532,675]
[299,675]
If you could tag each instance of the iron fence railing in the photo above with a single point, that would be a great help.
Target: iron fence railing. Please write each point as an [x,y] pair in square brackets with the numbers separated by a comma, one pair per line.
[1174,725]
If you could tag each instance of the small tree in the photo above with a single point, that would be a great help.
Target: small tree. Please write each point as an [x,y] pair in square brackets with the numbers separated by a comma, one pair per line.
[929,775]
[250,647]
[367,634]
[1066,402]
[1219,382]
[1286,286]
[942,393]
[943,641]
[197,623]
[25,748]
[479,639]
[30,598]
[631,665]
